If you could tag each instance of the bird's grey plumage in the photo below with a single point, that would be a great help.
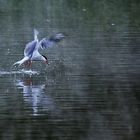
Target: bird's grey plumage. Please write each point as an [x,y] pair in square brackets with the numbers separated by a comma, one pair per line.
[31,46]
[46,43]
[57,38]
[29,49]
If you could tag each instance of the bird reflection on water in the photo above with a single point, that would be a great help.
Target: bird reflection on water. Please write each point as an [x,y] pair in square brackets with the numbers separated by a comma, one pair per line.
[35,96]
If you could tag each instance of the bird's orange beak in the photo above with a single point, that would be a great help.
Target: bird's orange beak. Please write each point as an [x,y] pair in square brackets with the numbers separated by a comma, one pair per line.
[47,62]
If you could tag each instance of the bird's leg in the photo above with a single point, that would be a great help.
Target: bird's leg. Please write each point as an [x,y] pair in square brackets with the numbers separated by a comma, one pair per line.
[28,64]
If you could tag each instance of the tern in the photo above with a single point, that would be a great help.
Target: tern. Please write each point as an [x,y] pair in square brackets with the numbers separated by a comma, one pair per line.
[31,51]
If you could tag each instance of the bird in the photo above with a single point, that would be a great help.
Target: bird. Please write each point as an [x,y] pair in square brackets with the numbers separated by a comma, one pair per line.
[31,51]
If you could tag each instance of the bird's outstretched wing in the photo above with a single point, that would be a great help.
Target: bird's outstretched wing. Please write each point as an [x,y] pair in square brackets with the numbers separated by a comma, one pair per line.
[28,52]
[46,43]
[29,49]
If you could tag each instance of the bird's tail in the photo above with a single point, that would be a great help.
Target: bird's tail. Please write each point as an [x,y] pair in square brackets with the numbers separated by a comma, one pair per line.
[20,62]
[35,34]
[17,63]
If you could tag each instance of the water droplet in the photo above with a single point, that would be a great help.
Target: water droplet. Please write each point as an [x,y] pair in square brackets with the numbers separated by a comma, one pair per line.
[113,24]
[48,20]
[84,9]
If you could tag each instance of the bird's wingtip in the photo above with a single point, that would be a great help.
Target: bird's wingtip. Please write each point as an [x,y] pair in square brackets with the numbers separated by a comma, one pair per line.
[36,32]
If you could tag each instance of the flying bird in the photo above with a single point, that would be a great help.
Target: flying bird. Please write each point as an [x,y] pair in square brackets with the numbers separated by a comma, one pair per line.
[31,51]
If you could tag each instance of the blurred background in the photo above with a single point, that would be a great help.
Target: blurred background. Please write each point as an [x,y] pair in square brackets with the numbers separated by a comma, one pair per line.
[90,90]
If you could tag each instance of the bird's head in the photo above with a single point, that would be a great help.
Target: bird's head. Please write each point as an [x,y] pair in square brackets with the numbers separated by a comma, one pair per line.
[45,59]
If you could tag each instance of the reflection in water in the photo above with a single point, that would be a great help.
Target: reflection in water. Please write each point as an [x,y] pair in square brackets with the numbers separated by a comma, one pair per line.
[34,95]
[99,108]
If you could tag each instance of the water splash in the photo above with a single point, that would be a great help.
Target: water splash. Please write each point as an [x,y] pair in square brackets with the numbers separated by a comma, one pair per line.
[29,72]
[23,71]
[9,72]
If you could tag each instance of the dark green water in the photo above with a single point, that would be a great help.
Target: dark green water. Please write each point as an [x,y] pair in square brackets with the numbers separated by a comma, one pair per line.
[90,90]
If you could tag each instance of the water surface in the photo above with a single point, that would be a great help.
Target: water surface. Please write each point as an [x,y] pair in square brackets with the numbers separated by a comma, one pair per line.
[90,90]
